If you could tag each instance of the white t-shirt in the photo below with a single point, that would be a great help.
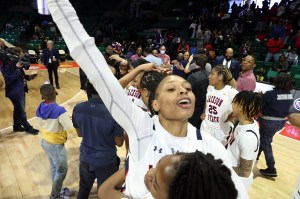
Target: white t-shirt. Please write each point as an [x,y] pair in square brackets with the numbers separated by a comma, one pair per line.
[218,108]
[145,133]
[244,143]
[135,96]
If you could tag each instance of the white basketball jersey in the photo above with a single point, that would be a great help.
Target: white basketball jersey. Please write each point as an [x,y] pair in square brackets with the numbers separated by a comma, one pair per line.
[244,143]
[218,108]
[135,96]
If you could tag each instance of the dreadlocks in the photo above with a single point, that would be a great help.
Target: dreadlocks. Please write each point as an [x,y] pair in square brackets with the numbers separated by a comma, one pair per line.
[251,103]
[201,176]
[150,81]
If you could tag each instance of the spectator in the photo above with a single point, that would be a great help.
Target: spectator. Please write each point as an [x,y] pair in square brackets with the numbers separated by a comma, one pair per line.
[246,80]
[212,56]
[154,52]
[245,49]
[137,55]
[54,124]
[276,104]
[274,45]
[282,65]
[151,58]
[183,47]
[162,54]
[51,61]
[198,79]
[293,57]
[228,61]
[100,133]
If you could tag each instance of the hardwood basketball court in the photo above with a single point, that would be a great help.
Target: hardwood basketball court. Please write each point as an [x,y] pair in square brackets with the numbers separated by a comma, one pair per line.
[24,167]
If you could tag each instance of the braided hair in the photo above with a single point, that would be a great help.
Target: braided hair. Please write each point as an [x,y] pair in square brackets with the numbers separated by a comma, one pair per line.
[201,176]
[150,81]
[250,102]
[221,70]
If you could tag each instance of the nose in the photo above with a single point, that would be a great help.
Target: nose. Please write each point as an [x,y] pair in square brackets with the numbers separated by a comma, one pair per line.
[182,91]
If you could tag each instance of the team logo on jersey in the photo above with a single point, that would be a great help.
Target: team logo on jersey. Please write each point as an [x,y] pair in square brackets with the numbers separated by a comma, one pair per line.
[297,104]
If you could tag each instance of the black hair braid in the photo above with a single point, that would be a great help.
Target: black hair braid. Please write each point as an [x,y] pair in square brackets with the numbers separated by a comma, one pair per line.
[201,176]
[251,103]
[150,81]
[222,71]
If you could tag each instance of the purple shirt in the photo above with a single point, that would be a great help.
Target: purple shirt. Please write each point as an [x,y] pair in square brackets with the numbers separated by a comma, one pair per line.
[246,81]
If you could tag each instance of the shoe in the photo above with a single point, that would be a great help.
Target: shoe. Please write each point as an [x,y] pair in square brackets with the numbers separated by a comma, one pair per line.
[32,131]
[66,192]
[18,129]
[57,87]
[268,172]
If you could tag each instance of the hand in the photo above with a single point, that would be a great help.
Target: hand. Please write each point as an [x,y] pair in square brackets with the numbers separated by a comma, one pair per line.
[180,67]
[166,71]
[19,64]
[191,57]
[229,118]
[202,116]
[149,67]
[54,59]
[116,57]
[175,62]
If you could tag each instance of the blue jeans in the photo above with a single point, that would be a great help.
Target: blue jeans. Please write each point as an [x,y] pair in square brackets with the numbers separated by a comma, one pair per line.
[267,130]
[88,173]
[57,156]
[19,114]
[269,56]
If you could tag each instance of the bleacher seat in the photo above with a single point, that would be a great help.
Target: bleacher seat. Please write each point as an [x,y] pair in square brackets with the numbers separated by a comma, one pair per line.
[272,74]
[296,78]
[268,65]
[295,70]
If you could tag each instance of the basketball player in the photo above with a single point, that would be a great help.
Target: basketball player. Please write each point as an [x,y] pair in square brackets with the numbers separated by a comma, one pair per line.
[243,144]
[150,138]
[181,175]
[218,104]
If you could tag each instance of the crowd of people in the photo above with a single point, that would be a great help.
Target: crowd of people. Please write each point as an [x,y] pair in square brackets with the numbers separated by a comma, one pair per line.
[189,121]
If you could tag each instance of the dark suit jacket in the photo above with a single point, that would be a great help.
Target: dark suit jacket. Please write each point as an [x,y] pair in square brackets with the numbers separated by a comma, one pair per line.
[47,54]
[234,68]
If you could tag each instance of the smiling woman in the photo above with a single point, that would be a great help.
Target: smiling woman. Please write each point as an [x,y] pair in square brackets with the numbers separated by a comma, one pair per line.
[150,138]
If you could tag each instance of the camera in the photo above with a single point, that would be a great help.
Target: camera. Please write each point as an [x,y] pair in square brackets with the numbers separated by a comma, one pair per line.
[12,57]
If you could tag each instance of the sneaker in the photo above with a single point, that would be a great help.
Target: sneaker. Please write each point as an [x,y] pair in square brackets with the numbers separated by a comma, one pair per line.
[268,172]
[18,129]
[66,192]
[32,131]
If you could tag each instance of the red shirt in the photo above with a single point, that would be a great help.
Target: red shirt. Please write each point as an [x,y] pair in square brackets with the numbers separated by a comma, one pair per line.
[274,46]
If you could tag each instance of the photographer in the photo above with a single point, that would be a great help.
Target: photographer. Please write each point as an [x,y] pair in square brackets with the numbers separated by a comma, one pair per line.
[13,63]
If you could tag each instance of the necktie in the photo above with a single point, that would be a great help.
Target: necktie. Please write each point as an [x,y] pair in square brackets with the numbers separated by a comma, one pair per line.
[227,64]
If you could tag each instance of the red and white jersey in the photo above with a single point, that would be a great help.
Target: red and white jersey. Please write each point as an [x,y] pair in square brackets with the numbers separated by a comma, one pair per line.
[148,140]
[218,108]
[135,96]
[244,143]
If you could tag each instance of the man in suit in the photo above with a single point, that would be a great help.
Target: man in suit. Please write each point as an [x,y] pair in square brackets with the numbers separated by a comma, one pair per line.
[229,62]
[51,60]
